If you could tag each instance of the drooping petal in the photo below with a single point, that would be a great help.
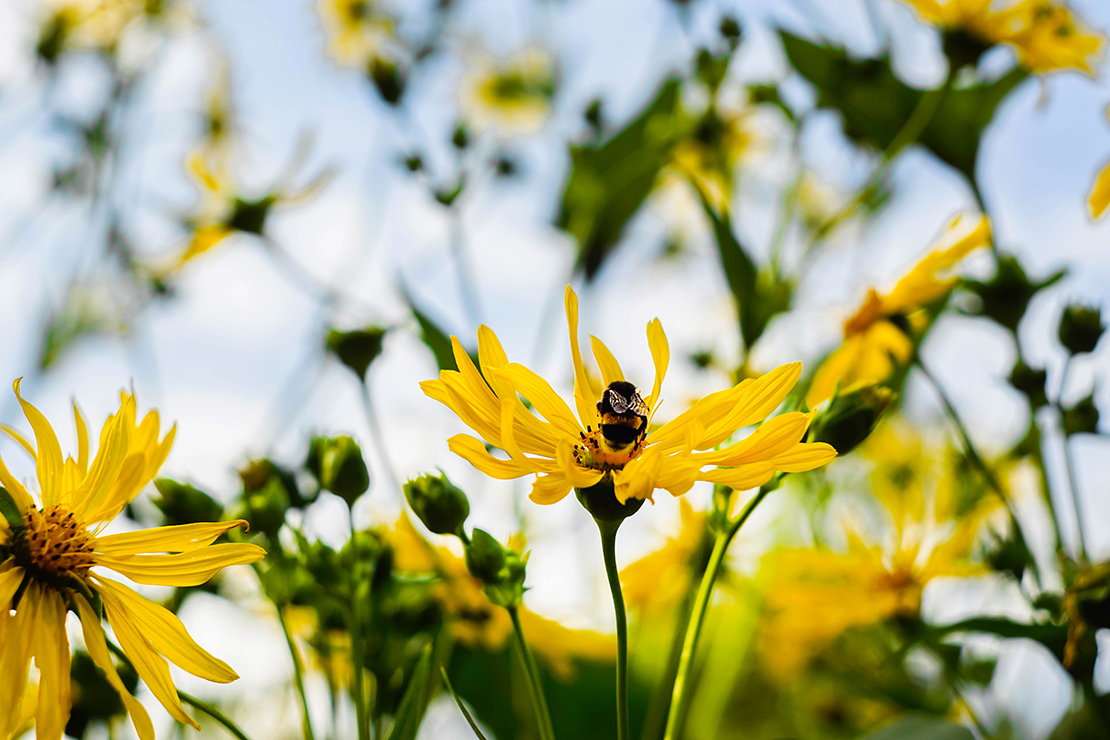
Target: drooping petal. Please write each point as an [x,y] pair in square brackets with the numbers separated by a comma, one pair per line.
[584,397]
[52,660]
[550,489]
[1099,199]
[921,284]
[660,356]
[740,478]
[804,456]
[18,437]
[610,368]
[567,464]
[179,538]
[97,648]
[49,452]
[15,657]
[774,437]
[151,667]
[183,569]
[474,452]
[166,634]
[10,578]
[19,494]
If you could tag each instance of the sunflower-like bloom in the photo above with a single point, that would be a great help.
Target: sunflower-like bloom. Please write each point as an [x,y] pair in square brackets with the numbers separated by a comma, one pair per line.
[509,95]
[609,439]
[1045,34]
[879,337]
[358,31]
[50,548]
[814,595]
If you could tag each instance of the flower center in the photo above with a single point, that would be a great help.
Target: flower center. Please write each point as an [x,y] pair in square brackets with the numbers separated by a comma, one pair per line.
[55,546]
[595,451]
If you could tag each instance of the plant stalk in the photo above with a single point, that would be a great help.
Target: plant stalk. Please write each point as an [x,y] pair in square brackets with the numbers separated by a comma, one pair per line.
[609,552]
[532,676]
[298,674]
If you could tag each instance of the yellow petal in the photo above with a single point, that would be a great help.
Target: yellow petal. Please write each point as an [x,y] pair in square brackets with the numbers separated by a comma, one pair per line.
[805,456]
[773,438]
[541,395]
[82,440]
[491,355]
[52,660]
[15,656]
[567,463]
[23,441]
[23,500]
[150,666]
[179,538]
[110,456]
[10,578]
[168,635]
[549,489]
[660,356]
[741,478]
[49,458]
[184,569]
[584,397]
[1099,199]
[97,648]
[610,368]
[474,452]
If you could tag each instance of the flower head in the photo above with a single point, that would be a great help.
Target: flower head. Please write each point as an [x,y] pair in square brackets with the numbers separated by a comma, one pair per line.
[610,439]
[358,31]
[1044,33]
[879,336]
[511,94]
[53,556]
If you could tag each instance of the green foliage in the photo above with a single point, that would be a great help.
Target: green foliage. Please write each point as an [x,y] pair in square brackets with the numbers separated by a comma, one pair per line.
[435,339]
[609,181]
[1005,297]
[851,417]
[1082,417]
[11,513]
[921,727]
[337,464]
[1031,383]
[440,505]
[500,569]
[406,721]
[875,105]
[181,503]
[95,700]
[1080,328]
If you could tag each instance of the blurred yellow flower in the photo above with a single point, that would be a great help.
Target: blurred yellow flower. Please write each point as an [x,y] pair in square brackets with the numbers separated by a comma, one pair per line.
[1099,199]
[358,31]
[50,548]
[615,445]
[477,623]
[659,581]
[710,153]
[509,95]
[878,337]
[814,595]
[1044,33]
[72,25]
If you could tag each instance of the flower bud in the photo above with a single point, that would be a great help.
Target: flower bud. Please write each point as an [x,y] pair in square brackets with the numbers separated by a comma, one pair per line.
[440,505]
[388,77]
[356,349]
[485,557]
[601,501]
[1080,328]
[257,474]
[851,417]
[263,509]
[1005,297]
[337,464]
[180,503]
[1031,383]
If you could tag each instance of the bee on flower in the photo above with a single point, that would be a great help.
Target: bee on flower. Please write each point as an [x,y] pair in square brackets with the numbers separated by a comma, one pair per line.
[882,334]
[1046,35]
[54,556]
[511,95]
[610,442]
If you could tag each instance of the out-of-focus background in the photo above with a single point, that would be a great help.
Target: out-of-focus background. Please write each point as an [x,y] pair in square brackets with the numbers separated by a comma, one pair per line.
[395,183]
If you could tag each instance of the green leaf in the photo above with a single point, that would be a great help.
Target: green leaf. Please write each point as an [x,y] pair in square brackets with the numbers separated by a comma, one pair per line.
[436,340]
[875,104]
[1054,637]
[10,511]
[921,727]
[459,702]
[608,182]
[415,701]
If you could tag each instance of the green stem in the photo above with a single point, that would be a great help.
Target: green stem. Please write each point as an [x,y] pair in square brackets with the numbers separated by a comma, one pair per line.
[1069,464]
[357,688]
[609,552]
[532,678]
[660,702]
[189,699]
[923,113]
[680,696]
[298,673]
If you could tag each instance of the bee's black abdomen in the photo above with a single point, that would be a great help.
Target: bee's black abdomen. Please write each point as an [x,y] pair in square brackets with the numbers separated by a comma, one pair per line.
[619,434]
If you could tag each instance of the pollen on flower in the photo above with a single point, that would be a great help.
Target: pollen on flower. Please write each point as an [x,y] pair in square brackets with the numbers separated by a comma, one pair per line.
[55,546]
[594,452]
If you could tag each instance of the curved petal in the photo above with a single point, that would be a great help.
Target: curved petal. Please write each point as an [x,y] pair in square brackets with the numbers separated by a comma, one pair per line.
[491,355]
[805,456]
[542,396]
[97,648]
[15,656]
[82,440]
[836,368]
[660,356]
[567,464]
[610,368]
[18,437]
[49,458]
[150,666]
[105,468]
[549,489]
[179,538]
[474,452]
[740,478]
[183,569]
[52,660]
[773,438]
[584,397]
[18,493]
[168,635]
[1099,199]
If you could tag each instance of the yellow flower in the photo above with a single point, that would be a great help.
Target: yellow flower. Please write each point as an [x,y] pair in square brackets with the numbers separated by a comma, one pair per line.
[877,337]
[658,581]
[609,441]
[710,153]
[1099,199]
[1044,33]
[512,94]
[358,31]
[51,548]
[814,595]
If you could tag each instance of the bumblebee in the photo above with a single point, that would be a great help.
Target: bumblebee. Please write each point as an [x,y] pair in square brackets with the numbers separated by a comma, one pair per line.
[623,415]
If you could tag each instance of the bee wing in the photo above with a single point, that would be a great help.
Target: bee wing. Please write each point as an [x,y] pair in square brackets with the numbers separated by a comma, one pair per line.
[637,405]
[618,402]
